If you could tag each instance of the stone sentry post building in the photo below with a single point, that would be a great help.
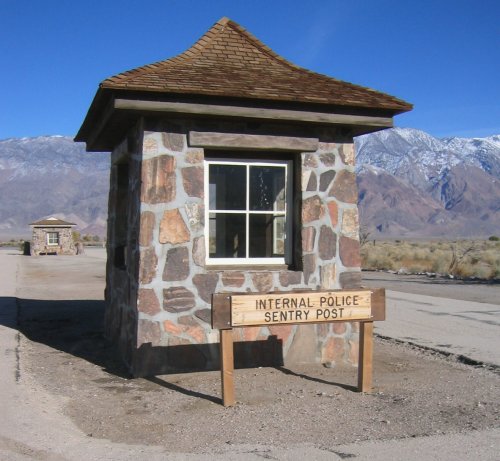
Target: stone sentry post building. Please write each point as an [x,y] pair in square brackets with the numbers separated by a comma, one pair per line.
[232,170]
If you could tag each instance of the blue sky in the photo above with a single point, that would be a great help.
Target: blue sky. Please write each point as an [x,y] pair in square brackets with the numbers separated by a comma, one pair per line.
[441,55]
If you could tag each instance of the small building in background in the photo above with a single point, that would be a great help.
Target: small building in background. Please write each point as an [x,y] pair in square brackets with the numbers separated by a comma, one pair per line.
[52,236]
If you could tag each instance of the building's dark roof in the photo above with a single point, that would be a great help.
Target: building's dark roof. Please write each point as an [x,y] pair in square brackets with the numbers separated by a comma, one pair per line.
[52,222]
[228,61]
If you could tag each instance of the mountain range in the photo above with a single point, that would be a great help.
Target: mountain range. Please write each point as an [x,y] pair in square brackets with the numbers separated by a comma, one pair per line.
[410,185]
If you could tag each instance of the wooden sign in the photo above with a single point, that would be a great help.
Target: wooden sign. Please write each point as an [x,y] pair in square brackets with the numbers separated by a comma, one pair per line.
[240,310]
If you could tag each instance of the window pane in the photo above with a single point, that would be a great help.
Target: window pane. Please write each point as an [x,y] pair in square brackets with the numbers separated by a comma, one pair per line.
[227,235]
[227,187]
[267,236]
[267,188]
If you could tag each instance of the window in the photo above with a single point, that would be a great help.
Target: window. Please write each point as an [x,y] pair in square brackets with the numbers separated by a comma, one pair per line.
[248,212]
[52,238]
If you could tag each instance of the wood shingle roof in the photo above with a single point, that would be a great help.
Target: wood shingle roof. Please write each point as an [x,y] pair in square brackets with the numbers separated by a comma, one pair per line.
[228,61]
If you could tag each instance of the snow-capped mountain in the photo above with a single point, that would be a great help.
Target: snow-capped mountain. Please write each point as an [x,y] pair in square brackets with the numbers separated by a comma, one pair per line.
[456,182]
[51,175]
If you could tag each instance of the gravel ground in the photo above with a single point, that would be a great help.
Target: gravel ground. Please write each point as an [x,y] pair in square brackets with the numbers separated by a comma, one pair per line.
[62,352]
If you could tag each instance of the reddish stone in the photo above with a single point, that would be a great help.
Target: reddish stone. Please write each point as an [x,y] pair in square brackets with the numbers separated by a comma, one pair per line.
[350,279]
[325,180]
[327,243]
[344,187]
[173,141]
[176,341]
[147,265]
[158,179]
[349,252]
[281,331]
[308,239]
[339,328]
[290,278]
[328,159]
[204,314]
[192,179]
[312,209]
[199,251]
[173,229]
[148,221]
[323,329]
[312,184]
[333,211]
[172,328]
[310,160]
[263,281]
[250,333]
[148,332]
[333,351]
[206,284]
[177,264]
[233,279]
[197,333]
[178,299]
[309,263]
[147,301]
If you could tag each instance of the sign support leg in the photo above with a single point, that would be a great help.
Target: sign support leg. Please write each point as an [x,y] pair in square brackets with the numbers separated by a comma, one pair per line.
[365,361]
[227,367]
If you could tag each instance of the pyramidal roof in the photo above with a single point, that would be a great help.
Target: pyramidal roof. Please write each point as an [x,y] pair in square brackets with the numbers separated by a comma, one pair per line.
[228,61]
[52,222]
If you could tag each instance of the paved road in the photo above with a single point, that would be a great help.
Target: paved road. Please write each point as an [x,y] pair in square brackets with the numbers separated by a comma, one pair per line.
[34,427]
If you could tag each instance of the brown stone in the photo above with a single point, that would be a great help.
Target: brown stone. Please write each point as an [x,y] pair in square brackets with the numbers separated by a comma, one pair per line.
[197,333]
[148,332]
[263,281]
[173,229]
[148,221]
[199,251]
[176,341]
[173,141]
[206,285]
[355,327]
[192,179]
[205,315]
[333,352]
[194,156]
[312,209]
[349,252]
[147,302]
[323,329]
[147,265]
[333,211]
[353,352]
[308,239]
[150,145]
[327,275]
[281,331]
[312,184]
[350,280]
[233,279]
[310,160]
[327,159]
[158,180]
[187,321]
[327,243]
[178,299]
[325,180]
[309,266]
[177,264]
[290,278]
[344,187]
[250,333]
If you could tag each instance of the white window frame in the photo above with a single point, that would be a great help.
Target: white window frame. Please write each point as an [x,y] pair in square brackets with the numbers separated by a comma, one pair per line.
[287,213]
[51,243]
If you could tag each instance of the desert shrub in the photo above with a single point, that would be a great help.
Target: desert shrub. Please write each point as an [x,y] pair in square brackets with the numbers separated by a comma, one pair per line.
[494,238]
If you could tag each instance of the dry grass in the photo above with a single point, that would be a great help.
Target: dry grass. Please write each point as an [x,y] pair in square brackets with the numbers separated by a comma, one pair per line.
[463,258]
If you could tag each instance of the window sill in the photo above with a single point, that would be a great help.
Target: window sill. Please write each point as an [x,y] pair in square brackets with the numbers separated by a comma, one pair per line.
[247,267]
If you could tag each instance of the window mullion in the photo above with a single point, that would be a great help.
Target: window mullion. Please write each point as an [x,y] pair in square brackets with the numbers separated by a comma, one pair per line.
[247,214]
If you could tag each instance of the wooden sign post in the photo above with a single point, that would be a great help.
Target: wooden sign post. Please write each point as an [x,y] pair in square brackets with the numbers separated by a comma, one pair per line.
[242,310]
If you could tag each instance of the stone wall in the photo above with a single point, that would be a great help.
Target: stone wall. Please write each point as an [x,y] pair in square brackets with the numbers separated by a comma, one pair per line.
[159,300]
[66,246]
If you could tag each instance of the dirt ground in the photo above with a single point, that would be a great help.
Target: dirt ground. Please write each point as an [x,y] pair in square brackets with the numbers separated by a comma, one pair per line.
[63,353]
